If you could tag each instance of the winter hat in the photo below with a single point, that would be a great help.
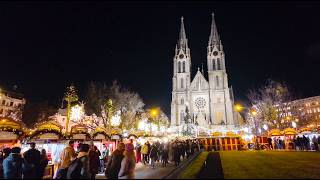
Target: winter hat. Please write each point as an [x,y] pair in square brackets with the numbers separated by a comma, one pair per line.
[129,147]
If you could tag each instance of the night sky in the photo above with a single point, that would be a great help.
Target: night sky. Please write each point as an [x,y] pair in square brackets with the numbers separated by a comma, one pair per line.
[44,46]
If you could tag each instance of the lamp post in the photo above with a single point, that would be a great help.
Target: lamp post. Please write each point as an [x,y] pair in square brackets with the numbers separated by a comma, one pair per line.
[253,114]
[154,114]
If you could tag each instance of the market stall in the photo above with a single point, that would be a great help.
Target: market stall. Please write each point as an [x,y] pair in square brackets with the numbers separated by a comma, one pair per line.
[47,135]
[100,137]
[289,136]
[219,141]
[11,132]
[80,134]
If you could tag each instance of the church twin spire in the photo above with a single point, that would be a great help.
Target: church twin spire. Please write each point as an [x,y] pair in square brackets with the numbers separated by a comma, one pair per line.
[182,44]
[214,39]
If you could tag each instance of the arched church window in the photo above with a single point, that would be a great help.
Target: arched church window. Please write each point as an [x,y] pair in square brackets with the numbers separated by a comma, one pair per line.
[184,66]
[181,83]
[182,101]
[179,67]
[219,64]
[217,81]
[213,64]
[181,116]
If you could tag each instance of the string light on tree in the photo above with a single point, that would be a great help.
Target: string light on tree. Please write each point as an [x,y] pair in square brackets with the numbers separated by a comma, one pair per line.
[116,119]
[77,113]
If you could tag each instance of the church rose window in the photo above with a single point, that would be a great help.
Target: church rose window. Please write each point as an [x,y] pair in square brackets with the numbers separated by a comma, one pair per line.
[200,103]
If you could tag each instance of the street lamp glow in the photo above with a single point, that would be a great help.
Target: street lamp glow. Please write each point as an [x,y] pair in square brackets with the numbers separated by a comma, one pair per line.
[238,107]
[154,112]
[253,112]
[76,112]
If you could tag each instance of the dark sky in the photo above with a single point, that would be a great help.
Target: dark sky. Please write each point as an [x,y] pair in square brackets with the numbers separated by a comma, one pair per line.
[44,46]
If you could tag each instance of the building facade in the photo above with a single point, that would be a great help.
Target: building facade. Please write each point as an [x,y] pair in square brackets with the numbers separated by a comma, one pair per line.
[10,101]
[209,103]
[303,111]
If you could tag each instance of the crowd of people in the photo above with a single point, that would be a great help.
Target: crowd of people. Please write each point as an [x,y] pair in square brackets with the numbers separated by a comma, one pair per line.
[87,161]
[29,165]
[302,143]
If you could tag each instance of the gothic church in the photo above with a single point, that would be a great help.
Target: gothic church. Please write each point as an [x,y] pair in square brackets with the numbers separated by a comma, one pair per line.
[209,103]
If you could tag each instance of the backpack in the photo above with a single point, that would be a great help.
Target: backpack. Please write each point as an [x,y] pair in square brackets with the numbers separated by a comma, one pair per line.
[74,170]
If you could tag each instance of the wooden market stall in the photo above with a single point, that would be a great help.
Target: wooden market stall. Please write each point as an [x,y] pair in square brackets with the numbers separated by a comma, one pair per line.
[80,134]
[100,137]
[289,136]
[47,135]
[11,132]
[222,142]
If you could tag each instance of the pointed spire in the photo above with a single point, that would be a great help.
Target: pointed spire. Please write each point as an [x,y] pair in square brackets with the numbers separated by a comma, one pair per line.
[214,36]
[202,68]
[182,42]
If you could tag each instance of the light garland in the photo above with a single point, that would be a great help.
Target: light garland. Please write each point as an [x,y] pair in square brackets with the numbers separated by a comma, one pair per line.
[116,119]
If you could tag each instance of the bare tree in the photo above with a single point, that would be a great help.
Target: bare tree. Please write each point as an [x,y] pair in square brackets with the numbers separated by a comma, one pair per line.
[270,102]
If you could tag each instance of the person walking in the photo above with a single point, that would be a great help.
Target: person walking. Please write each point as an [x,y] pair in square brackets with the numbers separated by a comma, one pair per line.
[128,163]
[114,163]
[149,149]
[165,155]
[32,162]
[154,155]
[144,152]
[12,165]
[83,156]
[103,157]
[176,155]
[43,163]
[94,161]
[68,154]
[138,153]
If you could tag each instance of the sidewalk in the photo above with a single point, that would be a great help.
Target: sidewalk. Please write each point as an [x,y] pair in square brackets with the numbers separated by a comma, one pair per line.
[146,172]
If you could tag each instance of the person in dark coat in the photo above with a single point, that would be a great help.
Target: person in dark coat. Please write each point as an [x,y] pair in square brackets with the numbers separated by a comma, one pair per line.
[32,162]
[43,163]
[165,155]
[12,165]
[176,155]
[114,162]
[94,161]
[154,155]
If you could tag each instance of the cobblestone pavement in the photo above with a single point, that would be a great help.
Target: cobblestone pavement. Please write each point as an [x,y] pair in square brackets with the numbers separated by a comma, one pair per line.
[146,172]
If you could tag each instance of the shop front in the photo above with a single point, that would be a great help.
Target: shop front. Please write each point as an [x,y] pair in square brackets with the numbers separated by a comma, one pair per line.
[47,135]
[11,132]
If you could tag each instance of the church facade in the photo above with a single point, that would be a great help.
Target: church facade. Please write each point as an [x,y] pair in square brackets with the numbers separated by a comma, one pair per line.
[208,103]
